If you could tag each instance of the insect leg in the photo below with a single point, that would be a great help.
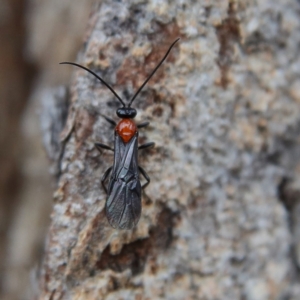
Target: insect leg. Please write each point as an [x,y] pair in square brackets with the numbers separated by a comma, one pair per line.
[100,146]
[104,177]
[146,176]
[143,124]
[109,120]
[147,145]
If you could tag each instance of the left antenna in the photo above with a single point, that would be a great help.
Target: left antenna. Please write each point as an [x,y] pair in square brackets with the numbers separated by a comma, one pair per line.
[98,77]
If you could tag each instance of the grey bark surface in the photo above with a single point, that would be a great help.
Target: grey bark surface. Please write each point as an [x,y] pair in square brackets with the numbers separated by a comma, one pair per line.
[219,219]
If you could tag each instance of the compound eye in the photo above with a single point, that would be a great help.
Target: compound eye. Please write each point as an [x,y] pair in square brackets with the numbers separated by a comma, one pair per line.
[132,113]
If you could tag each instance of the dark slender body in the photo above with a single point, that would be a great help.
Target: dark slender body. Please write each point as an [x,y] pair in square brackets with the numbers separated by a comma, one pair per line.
[123,204]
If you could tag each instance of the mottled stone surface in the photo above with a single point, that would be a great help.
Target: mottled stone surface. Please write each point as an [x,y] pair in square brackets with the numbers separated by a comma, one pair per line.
[224,110]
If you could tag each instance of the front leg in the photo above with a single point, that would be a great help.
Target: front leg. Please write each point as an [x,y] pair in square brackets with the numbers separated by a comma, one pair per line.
[100,146]
[104,177]
[143,172]
[143,124]
[147,145]
[109,120]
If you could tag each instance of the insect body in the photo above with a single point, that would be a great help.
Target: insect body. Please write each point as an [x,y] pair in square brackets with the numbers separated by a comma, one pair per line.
[123,204]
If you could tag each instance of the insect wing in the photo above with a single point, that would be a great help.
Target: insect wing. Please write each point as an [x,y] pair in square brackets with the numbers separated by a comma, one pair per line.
[123,206]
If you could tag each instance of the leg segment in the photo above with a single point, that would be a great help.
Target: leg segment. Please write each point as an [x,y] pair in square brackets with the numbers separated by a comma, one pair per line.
[104,177]
[147,145]
[109,120]
[143,172]
[143,124]
[100,146]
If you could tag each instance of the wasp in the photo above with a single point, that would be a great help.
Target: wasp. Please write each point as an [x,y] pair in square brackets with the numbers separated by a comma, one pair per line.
[124,190]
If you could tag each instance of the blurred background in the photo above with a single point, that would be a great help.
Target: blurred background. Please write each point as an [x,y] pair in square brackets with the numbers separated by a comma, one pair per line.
[35,35]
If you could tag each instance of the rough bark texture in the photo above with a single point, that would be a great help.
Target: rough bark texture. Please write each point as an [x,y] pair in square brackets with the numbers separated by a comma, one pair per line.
[219,219]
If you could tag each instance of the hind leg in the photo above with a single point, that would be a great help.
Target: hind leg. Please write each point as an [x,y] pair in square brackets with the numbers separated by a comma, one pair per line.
[143,172]
[104,177]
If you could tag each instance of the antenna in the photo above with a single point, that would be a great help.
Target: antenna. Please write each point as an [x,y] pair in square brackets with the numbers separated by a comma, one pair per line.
[149,77]
[106,84]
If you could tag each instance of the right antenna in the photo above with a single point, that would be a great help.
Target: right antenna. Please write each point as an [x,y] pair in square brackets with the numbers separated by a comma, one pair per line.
[149,77]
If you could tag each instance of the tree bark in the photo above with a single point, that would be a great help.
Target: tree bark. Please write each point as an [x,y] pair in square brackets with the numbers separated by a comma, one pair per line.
[219,218]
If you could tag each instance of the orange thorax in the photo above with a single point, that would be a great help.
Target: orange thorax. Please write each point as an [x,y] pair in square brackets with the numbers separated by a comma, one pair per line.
[126,129]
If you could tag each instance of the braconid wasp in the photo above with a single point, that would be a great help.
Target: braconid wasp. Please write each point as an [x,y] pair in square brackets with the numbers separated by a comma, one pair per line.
[123,204]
